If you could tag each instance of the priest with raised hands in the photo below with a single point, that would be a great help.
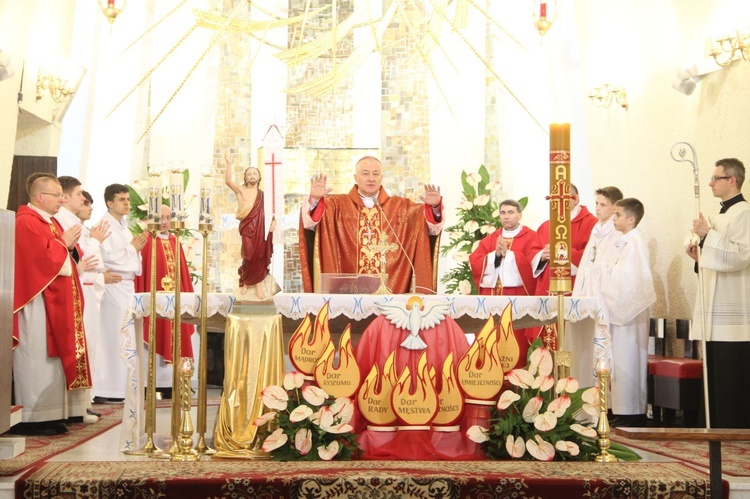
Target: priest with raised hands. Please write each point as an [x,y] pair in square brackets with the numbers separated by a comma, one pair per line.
[347,226]
[166,259]
[50,362]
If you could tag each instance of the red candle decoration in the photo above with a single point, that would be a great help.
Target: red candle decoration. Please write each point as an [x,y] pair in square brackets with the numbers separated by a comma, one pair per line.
[543,10]
[111,3]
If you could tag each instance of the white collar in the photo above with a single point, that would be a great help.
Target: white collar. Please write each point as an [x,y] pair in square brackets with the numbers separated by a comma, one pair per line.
[43,213]
[512,233]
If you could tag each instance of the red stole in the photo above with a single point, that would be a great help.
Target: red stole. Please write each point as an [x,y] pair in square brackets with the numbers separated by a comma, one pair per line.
[346,229]
[165,265]
[40,256]
[256,249]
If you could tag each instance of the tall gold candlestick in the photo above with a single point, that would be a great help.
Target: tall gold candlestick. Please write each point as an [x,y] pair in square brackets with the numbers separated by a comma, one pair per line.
[176,226]
[150,448]
[185,451]
[201,446]
[602,427]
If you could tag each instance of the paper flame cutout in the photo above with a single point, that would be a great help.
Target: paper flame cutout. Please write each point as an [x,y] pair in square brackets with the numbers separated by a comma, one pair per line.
[341,381]
[508,350]
[450,398]
[417,407]
[480,374]
[374,397]
[304,349]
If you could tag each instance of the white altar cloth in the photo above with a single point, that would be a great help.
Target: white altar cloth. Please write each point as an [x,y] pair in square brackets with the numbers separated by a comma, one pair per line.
[537,309]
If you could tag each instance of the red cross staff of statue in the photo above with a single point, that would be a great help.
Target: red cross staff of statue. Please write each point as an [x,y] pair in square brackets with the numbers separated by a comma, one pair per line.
[270,163]
[559,227]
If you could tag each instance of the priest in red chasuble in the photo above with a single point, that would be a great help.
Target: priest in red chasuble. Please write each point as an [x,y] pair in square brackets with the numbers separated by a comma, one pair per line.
[501,264]
[166,259]
[348,224]
[50,361]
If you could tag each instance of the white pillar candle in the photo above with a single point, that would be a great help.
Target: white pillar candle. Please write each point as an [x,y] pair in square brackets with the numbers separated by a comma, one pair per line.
[207,187]
[176,196]
[154,198]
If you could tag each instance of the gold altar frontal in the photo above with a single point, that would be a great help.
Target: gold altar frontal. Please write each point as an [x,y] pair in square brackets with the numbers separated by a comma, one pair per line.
[253,360]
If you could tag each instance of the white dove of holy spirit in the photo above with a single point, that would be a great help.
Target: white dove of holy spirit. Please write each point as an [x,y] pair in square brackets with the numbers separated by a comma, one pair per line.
[413,316]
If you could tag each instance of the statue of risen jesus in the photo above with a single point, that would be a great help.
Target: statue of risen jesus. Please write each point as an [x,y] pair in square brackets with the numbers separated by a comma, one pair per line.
[257,247]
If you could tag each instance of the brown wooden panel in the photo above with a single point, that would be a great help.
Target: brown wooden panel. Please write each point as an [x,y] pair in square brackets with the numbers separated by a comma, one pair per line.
[23,166]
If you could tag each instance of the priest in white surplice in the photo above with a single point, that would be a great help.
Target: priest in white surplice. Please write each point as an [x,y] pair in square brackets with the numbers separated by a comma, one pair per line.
[627,289]
[121,255]
[725,264]
[580,341]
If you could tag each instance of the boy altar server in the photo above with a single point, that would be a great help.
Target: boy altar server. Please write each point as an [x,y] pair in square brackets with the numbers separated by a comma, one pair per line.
[627,289]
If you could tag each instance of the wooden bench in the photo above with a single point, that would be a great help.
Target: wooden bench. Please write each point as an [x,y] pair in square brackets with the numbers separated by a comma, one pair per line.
[714,437]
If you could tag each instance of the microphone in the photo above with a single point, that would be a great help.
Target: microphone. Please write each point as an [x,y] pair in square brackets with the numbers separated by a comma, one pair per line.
[413,289]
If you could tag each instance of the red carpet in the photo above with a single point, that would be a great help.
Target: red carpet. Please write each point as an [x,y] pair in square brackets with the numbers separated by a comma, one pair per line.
[363,479]
[40,448]
[735,456]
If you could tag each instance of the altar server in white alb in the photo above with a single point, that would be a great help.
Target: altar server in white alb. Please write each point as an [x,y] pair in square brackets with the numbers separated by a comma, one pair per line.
[121,255]
[725,264]
[580,341]
[627,289]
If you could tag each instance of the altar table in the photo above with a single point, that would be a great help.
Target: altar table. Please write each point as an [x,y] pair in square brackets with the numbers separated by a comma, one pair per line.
[469,311]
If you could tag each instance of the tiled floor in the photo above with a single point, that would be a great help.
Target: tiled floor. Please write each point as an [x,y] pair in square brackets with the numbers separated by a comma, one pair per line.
[105,448]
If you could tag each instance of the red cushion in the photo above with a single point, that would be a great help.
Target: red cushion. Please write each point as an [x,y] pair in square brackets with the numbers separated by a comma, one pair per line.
[679,368]
[653,360]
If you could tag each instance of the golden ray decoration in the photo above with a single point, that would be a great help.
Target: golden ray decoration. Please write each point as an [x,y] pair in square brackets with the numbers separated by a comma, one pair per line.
[153,26]
[215,22]
[190,72]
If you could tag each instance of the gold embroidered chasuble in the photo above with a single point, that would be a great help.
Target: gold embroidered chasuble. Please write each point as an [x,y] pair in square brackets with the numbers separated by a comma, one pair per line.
[347,230]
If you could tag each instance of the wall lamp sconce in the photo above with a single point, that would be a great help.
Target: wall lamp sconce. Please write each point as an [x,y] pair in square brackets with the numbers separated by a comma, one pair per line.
[112,8]
[60,84]
[729,48]
[604,95]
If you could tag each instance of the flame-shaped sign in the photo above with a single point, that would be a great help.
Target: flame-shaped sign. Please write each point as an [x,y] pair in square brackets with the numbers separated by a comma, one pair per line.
[374,397]
[420,406]
[451,399]
[304,349]
[480,374]
[341,381]
[508,349]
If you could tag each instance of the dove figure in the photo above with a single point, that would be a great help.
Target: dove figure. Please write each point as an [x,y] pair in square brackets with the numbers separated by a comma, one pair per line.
[413,316]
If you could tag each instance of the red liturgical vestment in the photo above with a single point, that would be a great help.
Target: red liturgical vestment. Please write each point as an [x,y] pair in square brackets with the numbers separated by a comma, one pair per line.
[256,248]
[40,257]
[165,262]
[346,229]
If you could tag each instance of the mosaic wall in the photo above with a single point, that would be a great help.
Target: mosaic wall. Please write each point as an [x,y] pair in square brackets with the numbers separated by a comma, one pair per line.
[232,132]
[491,125]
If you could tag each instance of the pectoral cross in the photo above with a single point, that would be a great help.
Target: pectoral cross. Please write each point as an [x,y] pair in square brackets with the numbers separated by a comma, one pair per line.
[383,247]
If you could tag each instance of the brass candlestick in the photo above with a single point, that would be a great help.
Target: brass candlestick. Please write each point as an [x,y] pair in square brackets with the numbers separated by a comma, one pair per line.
[177,226]
[563,359]
[185,451]
[150,448]
[201,446]
[602,427]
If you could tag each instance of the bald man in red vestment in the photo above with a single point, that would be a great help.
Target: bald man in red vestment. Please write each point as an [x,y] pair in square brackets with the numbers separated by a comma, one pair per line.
[348,224]
[50,361]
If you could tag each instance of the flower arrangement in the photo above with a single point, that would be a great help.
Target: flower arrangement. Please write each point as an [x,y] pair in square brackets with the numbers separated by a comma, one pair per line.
[543,420]
[316,427]
[478,216]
